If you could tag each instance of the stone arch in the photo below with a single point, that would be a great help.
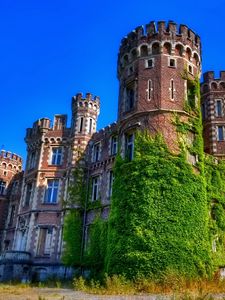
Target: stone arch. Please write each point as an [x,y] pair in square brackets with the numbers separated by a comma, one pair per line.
[156,48]
[179,49]
[196,59]
[133,53]
[167,48]
[222,85]
[213,86]
[144,50]
[188,53]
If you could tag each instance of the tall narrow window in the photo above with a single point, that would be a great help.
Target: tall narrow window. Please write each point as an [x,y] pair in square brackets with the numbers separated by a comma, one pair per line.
[113,148]
[218,108]
[12,214]
[2,187]
[95,188]
[150,89]
[32,160]
[171,89]
[111,179]
[45,241]
[90,126]
[56,156]
[51,192]
[203,110]
[130,146]
[28,194]
[220,134]
[96,152]
[81,124]
[129,99]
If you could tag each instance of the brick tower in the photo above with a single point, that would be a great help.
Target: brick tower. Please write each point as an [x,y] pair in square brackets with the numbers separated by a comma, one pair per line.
[151,62]
[213,113]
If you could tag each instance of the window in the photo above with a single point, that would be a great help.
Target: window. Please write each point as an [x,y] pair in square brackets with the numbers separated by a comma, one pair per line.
[2,187]
[172,89]
[56,156]
[111,179]
[96,152]
[130,146]
[172,63]
[114,142]
[218,108]
[90,126]
[129,99]
[220,134]
[45,241]
[190,69]
[32,160]
[95,188]
[81,124]
[28,194]
[130,70]
[15,187]
[203,110]
[149,89]
[51,192]
[12,214]
[149,63]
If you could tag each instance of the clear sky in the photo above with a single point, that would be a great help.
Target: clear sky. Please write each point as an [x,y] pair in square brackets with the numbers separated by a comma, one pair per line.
[50,50]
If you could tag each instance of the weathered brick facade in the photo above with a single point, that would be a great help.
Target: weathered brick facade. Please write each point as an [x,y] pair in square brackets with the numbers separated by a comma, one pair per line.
[151,63]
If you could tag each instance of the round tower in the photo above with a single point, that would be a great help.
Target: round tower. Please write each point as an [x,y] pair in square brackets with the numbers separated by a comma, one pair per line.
[151,63]
[10,165]
[85,111]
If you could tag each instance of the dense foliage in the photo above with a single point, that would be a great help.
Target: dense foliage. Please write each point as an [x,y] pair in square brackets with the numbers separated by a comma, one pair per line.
[159,215]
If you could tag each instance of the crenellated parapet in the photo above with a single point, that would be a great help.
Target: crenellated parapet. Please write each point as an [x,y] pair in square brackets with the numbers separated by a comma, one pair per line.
[10,164]
[85,111]
[144,40]
[212,83]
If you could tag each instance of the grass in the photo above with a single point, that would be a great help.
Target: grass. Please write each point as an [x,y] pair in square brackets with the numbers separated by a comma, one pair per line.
[174,286]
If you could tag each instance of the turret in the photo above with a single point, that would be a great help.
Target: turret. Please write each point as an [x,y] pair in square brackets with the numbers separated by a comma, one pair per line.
[85,111]
[151,62]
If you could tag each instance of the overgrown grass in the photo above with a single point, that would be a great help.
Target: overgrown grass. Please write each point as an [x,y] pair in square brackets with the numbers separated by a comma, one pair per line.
[174,286]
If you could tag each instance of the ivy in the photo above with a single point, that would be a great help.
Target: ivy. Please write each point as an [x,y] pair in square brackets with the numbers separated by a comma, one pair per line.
[159,215]
[72,236]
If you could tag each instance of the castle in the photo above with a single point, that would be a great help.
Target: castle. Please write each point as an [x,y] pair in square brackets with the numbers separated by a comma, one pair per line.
[151,62]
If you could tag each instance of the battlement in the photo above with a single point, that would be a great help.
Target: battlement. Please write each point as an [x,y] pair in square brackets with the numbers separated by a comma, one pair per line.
[160,31]
[210,76]
[7,155]
[86,102]
[109,129]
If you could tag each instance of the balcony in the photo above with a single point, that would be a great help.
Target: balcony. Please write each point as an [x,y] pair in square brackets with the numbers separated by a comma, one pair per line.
[15,257]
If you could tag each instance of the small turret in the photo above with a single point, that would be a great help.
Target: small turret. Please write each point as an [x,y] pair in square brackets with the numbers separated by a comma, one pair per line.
[85,111]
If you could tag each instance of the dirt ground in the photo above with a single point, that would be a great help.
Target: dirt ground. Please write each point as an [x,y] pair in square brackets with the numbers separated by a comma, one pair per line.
[14,293]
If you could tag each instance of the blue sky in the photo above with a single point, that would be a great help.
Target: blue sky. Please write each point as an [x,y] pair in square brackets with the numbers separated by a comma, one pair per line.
[50,50]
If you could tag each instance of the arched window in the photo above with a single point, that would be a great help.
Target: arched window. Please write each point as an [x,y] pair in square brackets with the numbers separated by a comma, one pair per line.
[144,50]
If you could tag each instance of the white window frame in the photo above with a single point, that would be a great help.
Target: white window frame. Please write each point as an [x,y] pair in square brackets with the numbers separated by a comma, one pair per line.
[147,64]
[96,152]
[129,146]
[169,62]
[113,145]
[56,158]
[95,188]
[52,191]
[216,107]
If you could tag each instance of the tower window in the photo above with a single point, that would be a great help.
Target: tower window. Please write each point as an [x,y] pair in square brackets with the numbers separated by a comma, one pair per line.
[190,69]
[90,126]
[172,63]
[2,187]
[129,146]
[81,124]
[111,179]
[129,99]
[149,63]
[220,133]
[172,89]
[56,156]
[150,89]
[45,241]
[51,193]
[28,194]
[218,108]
